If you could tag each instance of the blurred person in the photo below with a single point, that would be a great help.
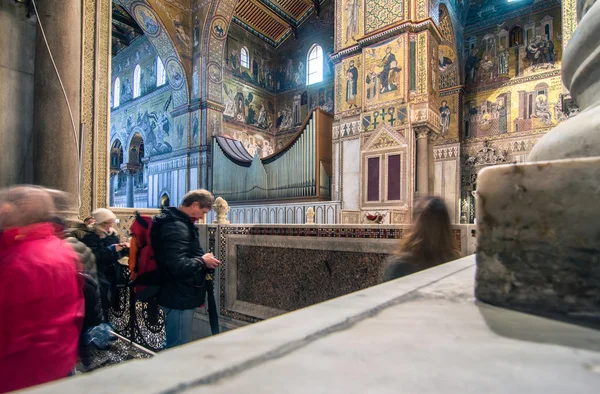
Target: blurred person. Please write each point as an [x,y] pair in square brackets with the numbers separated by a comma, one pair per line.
[430,242]
[89,221]
[41,300]
[72,234]
[103,240]
[182,263]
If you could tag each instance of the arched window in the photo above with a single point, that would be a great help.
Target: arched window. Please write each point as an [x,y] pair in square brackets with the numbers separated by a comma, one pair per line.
[516,36]
[244,58]
[117,93]
[137,74]
[161,73]
[315,65]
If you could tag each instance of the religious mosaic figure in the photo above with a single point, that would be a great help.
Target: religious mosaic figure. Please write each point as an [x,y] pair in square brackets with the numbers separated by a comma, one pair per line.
[262,117]
[351,85]
[503,61]
[296,109]
[445,117]
[389,71]
[502,121]
[547,49]
[445,62]
[352,7]
[240,108]
[542,111]
[371,85]
[540,52]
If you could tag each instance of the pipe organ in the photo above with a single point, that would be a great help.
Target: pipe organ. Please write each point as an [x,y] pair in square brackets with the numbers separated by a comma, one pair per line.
[301,170]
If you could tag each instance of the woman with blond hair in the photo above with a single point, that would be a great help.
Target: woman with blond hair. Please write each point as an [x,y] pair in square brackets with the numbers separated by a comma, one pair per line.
[104,242]
[429,243]
[41,299]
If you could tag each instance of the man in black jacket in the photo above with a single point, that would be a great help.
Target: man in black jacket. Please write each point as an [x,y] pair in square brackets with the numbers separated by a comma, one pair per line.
[182,263]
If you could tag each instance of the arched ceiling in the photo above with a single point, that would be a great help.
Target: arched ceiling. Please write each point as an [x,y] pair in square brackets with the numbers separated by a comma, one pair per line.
[477,11]
[274,20]
[124,29]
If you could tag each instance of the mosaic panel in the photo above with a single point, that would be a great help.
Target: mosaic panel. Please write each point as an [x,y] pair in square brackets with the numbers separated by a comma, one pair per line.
[530,106]
[351,22]
[349,84]
[385,69]
[382,13]
[394,116]
[522,47]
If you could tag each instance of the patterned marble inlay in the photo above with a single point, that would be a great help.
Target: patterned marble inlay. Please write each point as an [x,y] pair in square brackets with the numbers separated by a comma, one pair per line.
[272,277]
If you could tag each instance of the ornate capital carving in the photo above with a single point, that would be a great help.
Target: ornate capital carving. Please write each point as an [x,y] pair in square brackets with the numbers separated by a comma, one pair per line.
[422,132]
[129,168]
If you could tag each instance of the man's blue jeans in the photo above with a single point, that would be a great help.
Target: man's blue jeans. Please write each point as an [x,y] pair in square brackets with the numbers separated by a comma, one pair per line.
[178,326]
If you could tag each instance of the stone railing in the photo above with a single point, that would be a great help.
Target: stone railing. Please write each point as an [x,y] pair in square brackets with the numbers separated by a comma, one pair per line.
[327,212]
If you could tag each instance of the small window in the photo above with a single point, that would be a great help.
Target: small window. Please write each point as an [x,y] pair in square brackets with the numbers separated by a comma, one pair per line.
[117,93]
[244,58]
[136,81]
[315,65]
[161,73]
[516,36]
[393,177]
[373,179]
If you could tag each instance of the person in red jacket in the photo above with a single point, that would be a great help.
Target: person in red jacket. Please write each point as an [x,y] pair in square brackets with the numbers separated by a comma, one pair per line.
[41,299]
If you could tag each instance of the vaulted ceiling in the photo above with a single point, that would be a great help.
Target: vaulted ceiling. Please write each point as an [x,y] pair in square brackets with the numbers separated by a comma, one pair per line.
[274,20]
[124,29]
[480,10]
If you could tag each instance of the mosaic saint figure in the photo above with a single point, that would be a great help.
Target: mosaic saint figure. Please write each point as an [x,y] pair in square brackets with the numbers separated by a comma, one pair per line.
[445,62]
[445,117]
[387,76]
[262,117]
[502,122]
[542,111]
[351,84]
[503,61]
[371,85]
[297,118]
[547,49]
[352,7]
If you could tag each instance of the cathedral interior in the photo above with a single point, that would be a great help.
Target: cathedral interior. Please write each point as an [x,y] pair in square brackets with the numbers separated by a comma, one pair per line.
[406,98]
[320,123]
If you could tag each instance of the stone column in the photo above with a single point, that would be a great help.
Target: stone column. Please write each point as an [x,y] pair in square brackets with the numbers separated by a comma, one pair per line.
[111,190]
[129,170]
[55,151]
[422,161]
[541,254]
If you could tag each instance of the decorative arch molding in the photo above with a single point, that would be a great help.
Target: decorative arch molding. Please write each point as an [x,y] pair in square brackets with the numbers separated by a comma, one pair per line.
[450,39]
[161,194]
[153,27]
[219,14]
[136,130]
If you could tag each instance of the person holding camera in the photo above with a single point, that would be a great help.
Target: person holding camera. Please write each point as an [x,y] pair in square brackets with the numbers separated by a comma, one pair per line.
[182,264]
[104,242]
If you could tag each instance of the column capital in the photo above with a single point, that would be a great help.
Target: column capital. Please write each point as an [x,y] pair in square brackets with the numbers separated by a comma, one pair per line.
[422,132]
[129,168]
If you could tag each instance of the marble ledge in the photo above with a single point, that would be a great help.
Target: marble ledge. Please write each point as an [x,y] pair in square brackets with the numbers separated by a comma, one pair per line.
[423,333]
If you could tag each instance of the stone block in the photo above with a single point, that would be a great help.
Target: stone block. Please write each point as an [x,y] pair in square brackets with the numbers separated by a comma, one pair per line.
[538,238]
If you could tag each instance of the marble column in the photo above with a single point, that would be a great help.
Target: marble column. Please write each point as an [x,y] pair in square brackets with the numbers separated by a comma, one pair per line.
[130,171]
[537,222]
[55,151]
[111,191]
[422,161]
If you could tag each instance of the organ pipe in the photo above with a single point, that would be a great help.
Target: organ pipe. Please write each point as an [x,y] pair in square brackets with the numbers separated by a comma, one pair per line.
[300,170]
